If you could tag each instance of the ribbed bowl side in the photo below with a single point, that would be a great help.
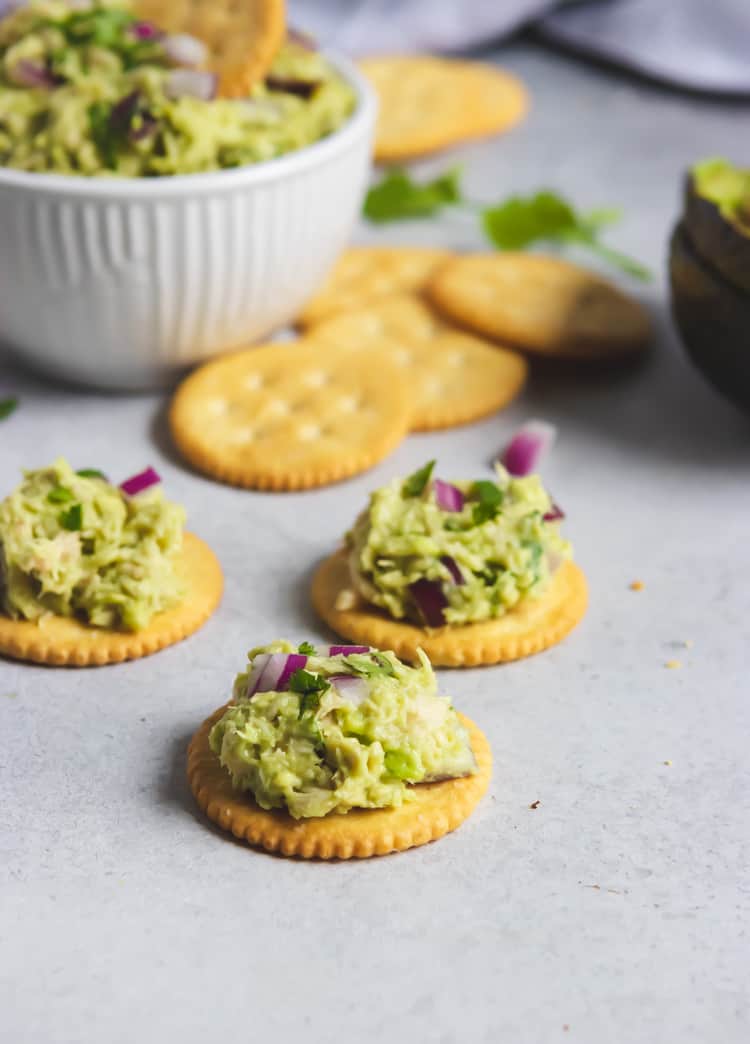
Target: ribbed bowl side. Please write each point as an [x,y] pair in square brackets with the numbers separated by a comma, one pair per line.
[124,292]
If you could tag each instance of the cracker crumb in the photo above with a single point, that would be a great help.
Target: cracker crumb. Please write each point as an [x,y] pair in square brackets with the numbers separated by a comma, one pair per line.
[673,665]
[535,804]
[637,585]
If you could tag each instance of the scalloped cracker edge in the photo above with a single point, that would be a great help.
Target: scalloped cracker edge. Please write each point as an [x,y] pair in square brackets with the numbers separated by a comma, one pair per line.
[437,809]
[64,642]
[534,625]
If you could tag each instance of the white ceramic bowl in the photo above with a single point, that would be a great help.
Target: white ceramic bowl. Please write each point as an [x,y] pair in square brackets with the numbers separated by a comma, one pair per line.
[122,282]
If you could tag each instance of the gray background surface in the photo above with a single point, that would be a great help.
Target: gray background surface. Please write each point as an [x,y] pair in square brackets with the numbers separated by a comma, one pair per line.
[616,911]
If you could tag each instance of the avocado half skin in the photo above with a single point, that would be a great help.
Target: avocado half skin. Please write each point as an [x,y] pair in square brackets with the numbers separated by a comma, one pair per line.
[713,318]
[719,241]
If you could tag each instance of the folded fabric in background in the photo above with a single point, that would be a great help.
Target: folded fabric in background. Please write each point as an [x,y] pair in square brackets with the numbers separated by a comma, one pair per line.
[699,44]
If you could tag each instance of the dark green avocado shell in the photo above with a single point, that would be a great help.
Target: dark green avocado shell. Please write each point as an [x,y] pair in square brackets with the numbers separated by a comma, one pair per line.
[713,318]
[714,219]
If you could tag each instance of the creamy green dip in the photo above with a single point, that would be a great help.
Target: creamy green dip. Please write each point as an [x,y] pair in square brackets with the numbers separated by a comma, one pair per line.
[84,91]
[346,731]
[413,558]
[71,544]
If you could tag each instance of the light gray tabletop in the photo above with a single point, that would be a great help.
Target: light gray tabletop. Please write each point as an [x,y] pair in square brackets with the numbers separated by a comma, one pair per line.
[616,910]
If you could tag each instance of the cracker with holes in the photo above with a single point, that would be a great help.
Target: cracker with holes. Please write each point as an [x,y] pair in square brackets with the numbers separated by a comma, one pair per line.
[242,36]
[543,305]
[289,416]
[470,572]
[93,573]
[364,274]
[337,752]
[454,378]
[428,103]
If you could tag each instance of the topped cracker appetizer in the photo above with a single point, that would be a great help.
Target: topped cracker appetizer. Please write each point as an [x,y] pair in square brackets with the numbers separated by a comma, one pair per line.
[93,573]
[337,752]
[473,572]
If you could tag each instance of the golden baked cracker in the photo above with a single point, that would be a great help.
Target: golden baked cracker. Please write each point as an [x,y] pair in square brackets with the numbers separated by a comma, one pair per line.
[544,305]
[364,273]
[289,416]
[62,641]
[453,378]
[535,624]
[428,103]
[436,809]
[243,36]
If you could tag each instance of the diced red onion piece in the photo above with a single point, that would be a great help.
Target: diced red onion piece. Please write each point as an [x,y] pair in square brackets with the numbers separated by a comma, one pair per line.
[185,50]
[347,650]
[256,672]
[301,39]
[524,451]
[138,483]
[294,662]
[302,88]
[190,83]
[452,566]
[448,497]
[271,672]
[353,689]
[430,601]
[145,129]
[555,513]
[145,31]
[26,73]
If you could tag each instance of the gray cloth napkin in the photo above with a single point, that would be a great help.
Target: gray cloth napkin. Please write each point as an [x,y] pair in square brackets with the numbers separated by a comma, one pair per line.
[699,44]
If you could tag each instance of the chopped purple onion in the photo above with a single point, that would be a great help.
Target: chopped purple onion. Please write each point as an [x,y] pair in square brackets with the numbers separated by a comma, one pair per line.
[146,128]
[145,31]
[555,513]
[26,73]
[452,566]
[138,483]
[271,672]
[448,497]
[347,650]
[529,444]
[353,689]
[190,83]
[302,88]
[185,50]
[430,601]
[124,111]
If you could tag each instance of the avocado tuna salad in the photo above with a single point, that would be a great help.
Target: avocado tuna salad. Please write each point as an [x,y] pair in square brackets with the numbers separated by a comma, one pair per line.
[88,89]
[454,553]
[325,730]
[72,544]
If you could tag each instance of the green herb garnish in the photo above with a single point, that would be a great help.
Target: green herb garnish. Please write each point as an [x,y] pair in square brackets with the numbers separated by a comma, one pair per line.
[102,132]
[397,196]
[489,499]
[307,649]
[59,495]
[512,224]
[7,406]
[72,519]
[414,485]
[310,688]
[370,665]
[91,473]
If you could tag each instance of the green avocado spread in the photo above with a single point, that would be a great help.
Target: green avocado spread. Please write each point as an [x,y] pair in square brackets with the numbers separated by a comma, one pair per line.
[88,89]
[71,544]
[350,730]
[727,186]
[498,545]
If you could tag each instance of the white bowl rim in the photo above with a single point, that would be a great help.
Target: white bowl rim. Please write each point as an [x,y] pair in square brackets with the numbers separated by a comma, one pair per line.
[277,169]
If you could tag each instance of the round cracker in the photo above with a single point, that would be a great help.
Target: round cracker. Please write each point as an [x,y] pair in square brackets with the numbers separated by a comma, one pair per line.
[454,378]
[541,304]
[437,809]
[289,416]
[64,642]
[428,103]
[363,274]
[534,625]
[243,38]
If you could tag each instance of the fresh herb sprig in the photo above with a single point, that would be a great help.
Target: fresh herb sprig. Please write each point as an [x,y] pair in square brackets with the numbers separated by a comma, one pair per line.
[7,406]
[512,224]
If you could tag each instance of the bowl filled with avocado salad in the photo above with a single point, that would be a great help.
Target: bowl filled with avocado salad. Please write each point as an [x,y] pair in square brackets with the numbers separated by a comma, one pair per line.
[337,751]
[148,221]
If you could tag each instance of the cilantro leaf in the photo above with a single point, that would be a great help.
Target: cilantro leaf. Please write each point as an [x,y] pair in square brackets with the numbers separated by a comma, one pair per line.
[488,499]
[72,519]
[91,473]
[414,485]
[397,196]
[59,495]
[102,132]
[370,665]
[7,406]
[307,649]
[521,221]
[310,688]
